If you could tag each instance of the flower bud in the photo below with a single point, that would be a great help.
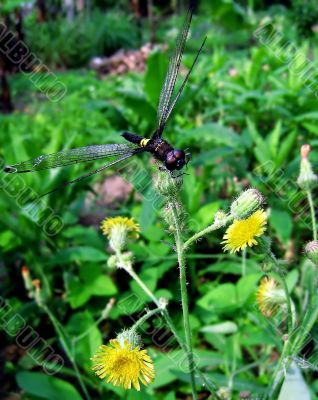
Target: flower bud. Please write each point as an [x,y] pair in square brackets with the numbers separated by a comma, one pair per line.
[163,302]
[220,218]
[130,336]
[167,185]
[270,296]
[248,202]
[112,262]
[307,180]
[224,393]
[27,280]
[38,295]
[127,257]
[311,250]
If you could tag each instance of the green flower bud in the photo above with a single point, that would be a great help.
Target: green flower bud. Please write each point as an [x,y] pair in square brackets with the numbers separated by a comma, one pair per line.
[38,294]
[127,257]
[163,302]
[311,250]
[131,336]
[112,262]
[220,218]
[248,202]
[167,185]
[224,393]
[307,180]
[27,281]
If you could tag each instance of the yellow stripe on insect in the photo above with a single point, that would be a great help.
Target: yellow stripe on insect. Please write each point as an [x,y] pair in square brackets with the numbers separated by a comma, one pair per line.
[144,142]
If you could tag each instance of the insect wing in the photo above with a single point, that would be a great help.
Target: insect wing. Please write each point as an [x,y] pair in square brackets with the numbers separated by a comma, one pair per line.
[72,156]
[174,102]
[172,73]
[96,171]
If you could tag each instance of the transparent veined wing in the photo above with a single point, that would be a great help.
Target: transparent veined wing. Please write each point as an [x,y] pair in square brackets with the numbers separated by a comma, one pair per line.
[176,98]
[172,73]
[72,156]
[118,160]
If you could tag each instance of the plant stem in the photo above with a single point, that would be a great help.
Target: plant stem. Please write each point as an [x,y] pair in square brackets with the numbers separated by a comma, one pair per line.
[244,262]
[205,231]
[104,316]
[184,298]
[282,280]
[312,212]
[133,274]
[62,336]
[277,378]
[209,384]
[144,318]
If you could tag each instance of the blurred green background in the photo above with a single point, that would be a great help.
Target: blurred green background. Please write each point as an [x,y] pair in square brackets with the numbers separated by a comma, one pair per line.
[243,116]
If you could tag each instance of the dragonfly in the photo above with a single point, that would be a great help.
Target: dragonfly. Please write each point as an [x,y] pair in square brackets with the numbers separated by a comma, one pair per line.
[172,159]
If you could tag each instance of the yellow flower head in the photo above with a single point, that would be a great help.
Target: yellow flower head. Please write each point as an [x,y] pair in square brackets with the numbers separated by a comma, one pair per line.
[128,224]
[123,364]
[117,229]
[242,233]
[269,296]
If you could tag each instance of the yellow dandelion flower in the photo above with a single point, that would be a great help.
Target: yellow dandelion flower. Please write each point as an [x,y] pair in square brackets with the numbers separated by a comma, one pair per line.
[117,229]
[243,233]
[269,296]
[127,224]
[123,365]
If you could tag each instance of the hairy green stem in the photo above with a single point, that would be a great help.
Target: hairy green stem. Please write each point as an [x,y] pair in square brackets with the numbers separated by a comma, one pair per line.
[312,212]
[184,298]
[208,383]
[279,275]
[278,377]
[144,318]
[205,231]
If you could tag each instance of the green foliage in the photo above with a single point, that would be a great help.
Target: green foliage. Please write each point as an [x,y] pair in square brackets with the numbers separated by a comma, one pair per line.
[72,44]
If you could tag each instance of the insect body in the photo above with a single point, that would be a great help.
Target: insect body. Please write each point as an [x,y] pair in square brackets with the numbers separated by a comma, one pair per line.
[173,159]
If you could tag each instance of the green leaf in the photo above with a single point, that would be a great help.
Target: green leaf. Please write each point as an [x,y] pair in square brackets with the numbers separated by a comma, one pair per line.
[286,147]
[307,116]
[216,134]
[220,299]
[222,327]
[292,279]
[103,286]
[274,137]
[205,215]
[282,222]
[246,286]
[312,128]
[46,387]
[79,324]
[80,291]
[78,254]
[261,149]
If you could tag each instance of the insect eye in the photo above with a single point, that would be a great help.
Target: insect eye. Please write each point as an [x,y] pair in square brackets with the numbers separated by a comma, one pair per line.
[179,154]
